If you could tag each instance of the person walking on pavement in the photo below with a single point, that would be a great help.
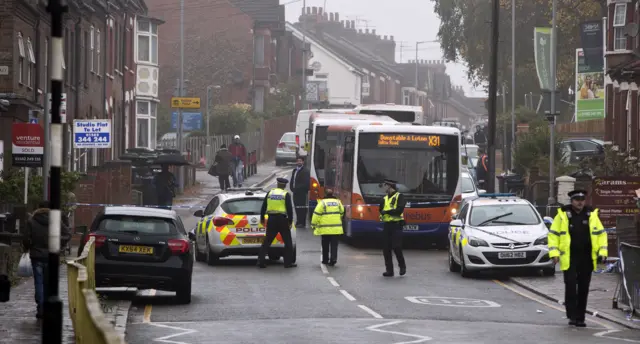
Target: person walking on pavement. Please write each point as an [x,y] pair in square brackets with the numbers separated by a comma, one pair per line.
[327,222]
[239,153]
[300,188]
[223,167]
[277,205]
[36,241]
[391,214]
[482,170]
[165,183]
[577,240]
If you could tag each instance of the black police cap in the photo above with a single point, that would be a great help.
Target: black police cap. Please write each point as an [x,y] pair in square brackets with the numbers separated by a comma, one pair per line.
[282,180]
[578,193]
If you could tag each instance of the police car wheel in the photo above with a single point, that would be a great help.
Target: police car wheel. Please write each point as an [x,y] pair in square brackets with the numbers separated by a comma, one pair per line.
[453,266]
[212,258]
[274,257]
[463,268]
[200,257]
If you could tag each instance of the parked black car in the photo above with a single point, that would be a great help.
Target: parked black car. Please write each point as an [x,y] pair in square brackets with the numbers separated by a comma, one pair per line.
[575,150]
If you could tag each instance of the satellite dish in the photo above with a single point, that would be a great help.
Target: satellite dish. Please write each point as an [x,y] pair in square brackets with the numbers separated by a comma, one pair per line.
[631,29]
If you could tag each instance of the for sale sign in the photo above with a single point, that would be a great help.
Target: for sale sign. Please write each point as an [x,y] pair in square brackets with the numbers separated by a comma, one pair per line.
[28,145]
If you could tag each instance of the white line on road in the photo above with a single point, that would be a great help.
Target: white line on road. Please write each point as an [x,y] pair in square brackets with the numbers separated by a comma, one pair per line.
[370,311]
[347,295]
[333,282]
[324,269]
[165,339]
[605,334]
[419,338]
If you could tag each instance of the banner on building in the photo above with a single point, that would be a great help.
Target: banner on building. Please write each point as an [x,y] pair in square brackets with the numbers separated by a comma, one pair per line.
[589,90]
[542,54]
[592,45]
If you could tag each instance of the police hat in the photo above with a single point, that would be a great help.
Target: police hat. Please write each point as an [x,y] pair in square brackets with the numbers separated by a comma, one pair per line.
[282,180]
[389,182]
[577,194]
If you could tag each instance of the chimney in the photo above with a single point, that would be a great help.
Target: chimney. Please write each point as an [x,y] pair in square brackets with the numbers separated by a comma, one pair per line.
[331,17]
[319,10]
[337,16]
[314,10]
[359,30]
[373,32]
[385,37]
[367,31]
[308,10]
[391,38]
[325,16]
[344,25]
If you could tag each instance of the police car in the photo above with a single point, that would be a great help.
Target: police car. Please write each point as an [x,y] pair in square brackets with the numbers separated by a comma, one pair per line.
[498,231]
[230,226]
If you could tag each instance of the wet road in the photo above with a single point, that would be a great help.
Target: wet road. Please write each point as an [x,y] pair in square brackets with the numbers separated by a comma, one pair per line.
[235,302]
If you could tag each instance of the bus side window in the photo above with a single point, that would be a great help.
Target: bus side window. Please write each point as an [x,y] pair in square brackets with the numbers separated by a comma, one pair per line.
[347,164]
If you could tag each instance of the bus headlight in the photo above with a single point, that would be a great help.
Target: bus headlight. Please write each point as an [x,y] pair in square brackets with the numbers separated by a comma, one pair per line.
[360,208]
[454,211]
[315,185]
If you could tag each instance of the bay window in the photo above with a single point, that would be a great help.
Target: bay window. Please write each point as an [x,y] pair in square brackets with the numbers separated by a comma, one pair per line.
[146,122]
[147,42]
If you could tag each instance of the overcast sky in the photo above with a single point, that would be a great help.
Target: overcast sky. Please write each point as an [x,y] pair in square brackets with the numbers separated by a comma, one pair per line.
[409,21]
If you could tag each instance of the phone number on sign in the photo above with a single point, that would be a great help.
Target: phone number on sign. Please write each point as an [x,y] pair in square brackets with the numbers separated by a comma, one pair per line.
[92,139]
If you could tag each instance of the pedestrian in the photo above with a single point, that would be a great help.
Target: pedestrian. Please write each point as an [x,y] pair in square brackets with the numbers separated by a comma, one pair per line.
[223,167]
[327,223]
[239,160]
[277,205]
[300,180]
[165,183]
[482,170]
[577,240]
[391,214]
[36,241]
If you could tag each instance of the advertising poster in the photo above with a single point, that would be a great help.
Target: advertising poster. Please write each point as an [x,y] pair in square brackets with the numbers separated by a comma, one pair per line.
[589,90]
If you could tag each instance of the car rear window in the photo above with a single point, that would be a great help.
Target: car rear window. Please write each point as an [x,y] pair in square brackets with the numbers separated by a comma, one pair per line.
[288,137]
[137,225]
[244,206]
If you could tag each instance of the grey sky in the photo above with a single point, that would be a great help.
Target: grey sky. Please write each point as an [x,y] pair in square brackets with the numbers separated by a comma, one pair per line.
[408,21]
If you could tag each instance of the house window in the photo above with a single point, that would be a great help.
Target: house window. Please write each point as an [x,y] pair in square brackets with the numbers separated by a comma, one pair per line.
[92,48]
[97,61]
[619,22]
[147,42]
[32,62]
[259,50]
[146,122]
[366,86]
[405,97]
[21,58]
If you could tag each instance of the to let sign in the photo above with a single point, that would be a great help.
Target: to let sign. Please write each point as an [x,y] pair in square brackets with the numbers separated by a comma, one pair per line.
[27,145]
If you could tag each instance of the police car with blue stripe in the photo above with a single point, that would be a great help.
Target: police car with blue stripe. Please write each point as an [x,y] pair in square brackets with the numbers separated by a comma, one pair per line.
[497,232]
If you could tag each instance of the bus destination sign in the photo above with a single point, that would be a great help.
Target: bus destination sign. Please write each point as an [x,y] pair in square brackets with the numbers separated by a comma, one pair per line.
[408,140]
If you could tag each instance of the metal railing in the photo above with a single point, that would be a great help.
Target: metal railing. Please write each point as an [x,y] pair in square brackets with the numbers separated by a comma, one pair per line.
[628,291]
[89,322]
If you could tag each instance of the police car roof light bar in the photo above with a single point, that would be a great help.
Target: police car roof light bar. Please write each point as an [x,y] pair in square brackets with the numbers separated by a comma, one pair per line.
[245,189]
[496,195]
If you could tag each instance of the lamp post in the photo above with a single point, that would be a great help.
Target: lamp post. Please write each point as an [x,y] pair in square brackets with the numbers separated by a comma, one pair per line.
[210,89]
[418,44]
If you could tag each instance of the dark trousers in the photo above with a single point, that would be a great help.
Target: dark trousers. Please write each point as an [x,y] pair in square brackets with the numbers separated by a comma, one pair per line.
[165,200]
[392,236]
[224,182]
[329,248]
[300,202]
[277,224]
[576,289]
[39,279]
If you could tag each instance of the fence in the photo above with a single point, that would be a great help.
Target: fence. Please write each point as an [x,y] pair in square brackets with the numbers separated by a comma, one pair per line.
[629,286]
[89,322]
[593,128]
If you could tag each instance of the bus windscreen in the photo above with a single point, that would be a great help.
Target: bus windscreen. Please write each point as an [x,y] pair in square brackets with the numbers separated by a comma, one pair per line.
[426,166]
[400,116]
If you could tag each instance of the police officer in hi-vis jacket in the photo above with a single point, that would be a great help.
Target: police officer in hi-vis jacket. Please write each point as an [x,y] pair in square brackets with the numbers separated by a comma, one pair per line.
[327,223]
[391,215]
[278,205]
[577,240]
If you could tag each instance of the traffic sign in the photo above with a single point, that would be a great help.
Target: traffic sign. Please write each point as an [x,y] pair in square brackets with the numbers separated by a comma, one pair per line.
[33,120]
[27,145]
[185,103]
[92,133]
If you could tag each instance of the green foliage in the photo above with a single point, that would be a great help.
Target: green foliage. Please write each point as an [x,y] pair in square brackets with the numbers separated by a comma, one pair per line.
[164,120]
[231,119]
[281,101]
[12,188]
[533,151]
[614,163]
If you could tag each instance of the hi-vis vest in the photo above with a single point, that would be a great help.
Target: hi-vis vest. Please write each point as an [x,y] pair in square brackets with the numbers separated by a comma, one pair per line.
[391,203]
[327,217]
[559,239]
[276,201]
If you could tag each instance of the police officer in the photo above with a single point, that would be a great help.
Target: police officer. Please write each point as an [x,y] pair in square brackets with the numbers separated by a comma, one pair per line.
[278,205]
[327,222]
[577,240]
[391,214]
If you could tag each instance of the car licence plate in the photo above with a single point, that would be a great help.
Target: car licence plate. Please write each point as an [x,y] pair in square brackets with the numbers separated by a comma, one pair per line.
[135,249]
[410,227]
[511,255]
[292,148]
[253,241]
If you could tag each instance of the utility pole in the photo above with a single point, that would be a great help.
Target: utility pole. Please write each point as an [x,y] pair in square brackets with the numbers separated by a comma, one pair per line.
[552,114]
[505,145]
[493,91]
[46,161]
[52,322]
[303,100]
[207,122]
[513,82]
[181,91]
[416,78]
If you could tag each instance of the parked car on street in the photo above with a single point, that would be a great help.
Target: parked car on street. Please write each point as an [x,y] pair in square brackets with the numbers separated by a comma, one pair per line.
[574,150]
[287,150]
[469,186]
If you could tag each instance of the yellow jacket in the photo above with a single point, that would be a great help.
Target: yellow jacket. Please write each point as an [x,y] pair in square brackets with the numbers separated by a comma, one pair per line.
[327,217]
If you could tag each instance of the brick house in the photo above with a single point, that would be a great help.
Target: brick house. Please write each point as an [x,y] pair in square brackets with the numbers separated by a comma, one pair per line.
[98,52]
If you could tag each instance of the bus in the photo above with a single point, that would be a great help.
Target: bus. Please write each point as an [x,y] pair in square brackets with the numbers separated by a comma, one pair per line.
[321,140]
[305,118]
[400,113]
[424,160]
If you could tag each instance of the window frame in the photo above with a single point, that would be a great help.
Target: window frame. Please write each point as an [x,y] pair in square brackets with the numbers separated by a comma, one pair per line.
[21,58]
[97,61]
[92,49]
[622,7]
[151,120]
[152,35]
[619,39]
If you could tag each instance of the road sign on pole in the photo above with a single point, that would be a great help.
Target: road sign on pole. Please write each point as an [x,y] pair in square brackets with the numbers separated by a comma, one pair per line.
[92,133]
[185,103]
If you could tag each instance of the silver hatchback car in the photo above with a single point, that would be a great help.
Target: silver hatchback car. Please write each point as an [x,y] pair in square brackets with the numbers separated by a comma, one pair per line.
[287,149]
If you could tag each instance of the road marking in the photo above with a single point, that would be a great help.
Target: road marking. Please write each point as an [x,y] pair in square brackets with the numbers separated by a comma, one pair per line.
[147,309]
[165,339]
[333,282]
[604,334]
[324,269]
[560,309]
[451,301]
[419,339]
[347,295]
[370,311]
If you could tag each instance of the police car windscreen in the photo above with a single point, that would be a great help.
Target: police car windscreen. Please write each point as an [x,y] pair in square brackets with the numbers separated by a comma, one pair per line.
[426,166]
[400,116]
[244,206]
[138,225]
[503,215]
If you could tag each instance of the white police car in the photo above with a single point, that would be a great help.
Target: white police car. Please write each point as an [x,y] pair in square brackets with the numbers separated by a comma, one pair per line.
[498,231]
[230,226]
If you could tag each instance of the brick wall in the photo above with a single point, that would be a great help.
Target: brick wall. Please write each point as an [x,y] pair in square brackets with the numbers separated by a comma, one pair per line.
[272,132]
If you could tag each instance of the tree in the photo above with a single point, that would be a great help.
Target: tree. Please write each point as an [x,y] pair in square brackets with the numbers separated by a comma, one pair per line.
[231,119]
[465,37]
[281,100]
[533,150]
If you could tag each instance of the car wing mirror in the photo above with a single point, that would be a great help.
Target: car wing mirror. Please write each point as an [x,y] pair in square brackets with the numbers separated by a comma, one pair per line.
[192,236]
[199,213]
[456,223]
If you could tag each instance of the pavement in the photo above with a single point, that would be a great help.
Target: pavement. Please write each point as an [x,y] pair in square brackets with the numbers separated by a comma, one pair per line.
[234,302]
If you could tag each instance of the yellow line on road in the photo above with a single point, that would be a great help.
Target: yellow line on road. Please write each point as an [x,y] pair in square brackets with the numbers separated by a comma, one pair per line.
[550,305]
[147,309]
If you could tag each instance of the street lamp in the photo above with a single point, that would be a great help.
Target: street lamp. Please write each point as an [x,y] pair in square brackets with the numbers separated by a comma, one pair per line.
[417,44]
[210,89]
